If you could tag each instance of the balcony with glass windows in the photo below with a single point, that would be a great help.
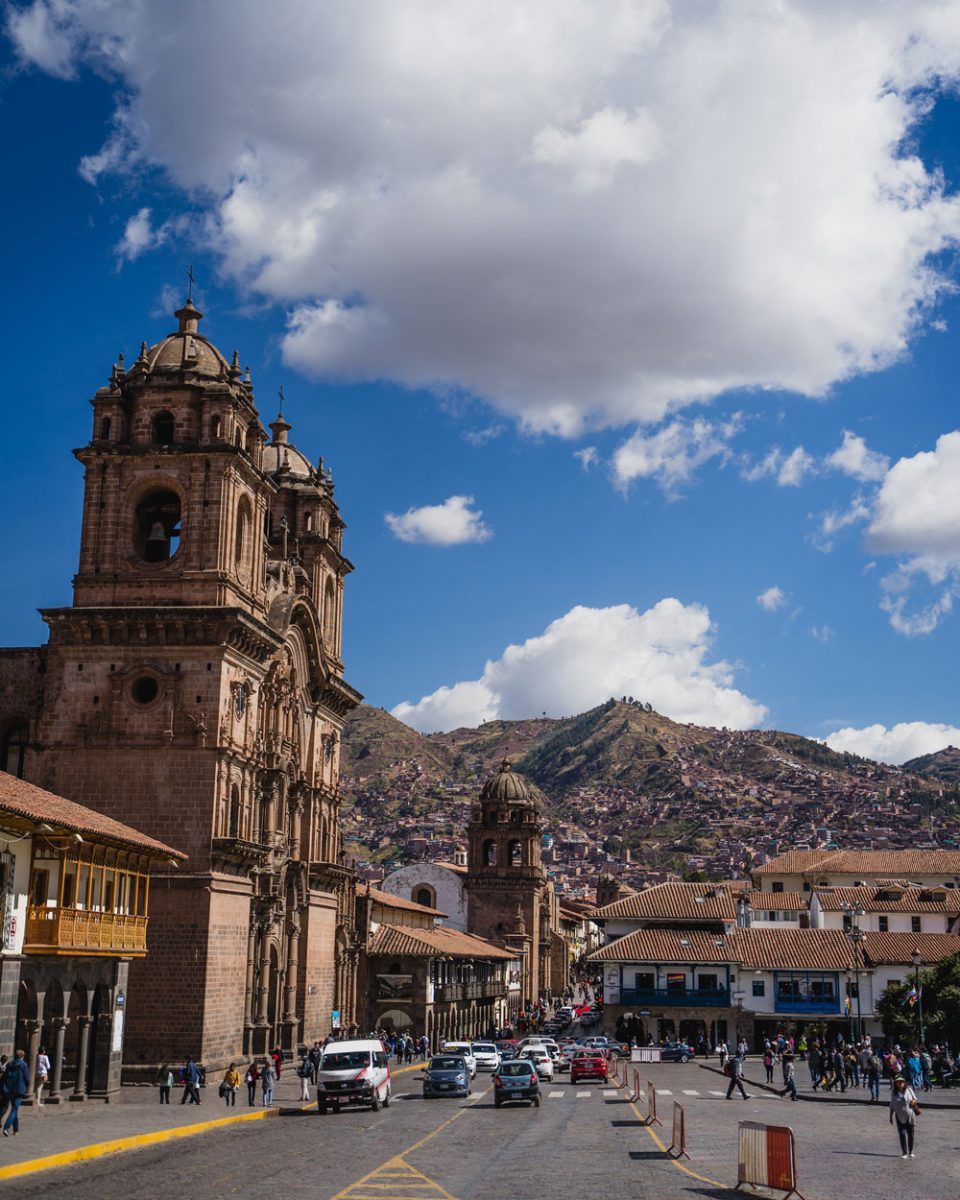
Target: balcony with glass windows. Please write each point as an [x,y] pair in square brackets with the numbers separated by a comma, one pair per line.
[676,997]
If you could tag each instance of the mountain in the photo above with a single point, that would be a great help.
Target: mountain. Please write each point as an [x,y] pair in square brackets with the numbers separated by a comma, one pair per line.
[943,765]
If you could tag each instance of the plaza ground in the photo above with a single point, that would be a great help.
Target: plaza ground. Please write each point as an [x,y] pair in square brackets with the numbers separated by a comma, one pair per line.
[581,1138]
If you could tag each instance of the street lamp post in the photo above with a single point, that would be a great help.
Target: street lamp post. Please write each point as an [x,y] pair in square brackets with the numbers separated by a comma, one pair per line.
[856,935]
[916,983]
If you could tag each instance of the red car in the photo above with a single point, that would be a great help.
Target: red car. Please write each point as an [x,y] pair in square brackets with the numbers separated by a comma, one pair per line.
[588,1066]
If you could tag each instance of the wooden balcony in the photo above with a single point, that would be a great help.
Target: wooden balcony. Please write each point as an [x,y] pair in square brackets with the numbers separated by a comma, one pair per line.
[74,931]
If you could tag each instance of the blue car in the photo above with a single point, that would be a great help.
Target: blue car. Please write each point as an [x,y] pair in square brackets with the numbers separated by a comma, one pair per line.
[676,1052]
[446,1075]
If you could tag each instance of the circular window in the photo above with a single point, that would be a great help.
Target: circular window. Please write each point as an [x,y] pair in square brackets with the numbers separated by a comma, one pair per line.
[144,689]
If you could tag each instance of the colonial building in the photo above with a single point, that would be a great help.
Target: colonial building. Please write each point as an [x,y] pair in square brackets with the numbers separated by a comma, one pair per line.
[195,690]
[74,915]
[422,977]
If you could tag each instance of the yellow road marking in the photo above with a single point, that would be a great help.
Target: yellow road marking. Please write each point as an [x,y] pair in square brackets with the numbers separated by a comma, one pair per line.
[662,1146]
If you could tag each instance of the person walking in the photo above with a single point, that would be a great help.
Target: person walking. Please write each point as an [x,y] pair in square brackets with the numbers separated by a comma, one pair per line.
[316,1053]
[43,1072]
[230,1086]
[926,1069]
[903,1109]
[736,1076]
[789,1075]
[191,1083]
[874,1073]
[268,1077]
[768,1061]
[16,1081]
[251,1079]
[165,1083]
[305,1075]
[816,1062]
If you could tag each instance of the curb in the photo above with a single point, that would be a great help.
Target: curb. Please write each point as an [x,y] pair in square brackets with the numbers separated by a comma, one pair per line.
[153,1138]
[817,1099]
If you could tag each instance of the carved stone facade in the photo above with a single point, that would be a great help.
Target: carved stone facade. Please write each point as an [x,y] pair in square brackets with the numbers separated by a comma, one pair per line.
[195,691]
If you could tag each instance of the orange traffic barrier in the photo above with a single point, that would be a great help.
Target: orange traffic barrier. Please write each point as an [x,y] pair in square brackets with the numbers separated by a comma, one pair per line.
[767,1157]
[636,1087]
[651,1117]
[678,1137]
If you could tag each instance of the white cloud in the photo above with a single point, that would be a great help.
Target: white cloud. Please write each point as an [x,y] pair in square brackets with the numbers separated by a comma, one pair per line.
[917,514]
[587,457]
[451,523]
[140,234]
[590,654]
[788,470]
[674,452]
[822,633]
[837,520]
[746,208]
[854,458]
[896,745]
[772,599]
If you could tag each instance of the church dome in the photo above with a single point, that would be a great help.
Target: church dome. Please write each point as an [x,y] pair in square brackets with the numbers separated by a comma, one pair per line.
[276,456]
[187,350]
[511,788]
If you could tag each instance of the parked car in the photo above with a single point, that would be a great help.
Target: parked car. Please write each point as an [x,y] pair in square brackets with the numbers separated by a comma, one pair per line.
[589,1065]
[516,1080]
[676,1052]
[487,1056]
[507,1048]
[540,1057]
[446,1075]
[464,1048]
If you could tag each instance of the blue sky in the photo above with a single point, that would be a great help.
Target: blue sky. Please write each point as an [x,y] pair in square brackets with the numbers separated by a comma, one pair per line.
[626,288]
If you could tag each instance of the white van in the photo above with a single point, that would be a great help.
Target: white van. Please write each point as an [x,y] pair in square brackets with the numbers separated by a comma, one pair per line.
[353,1073]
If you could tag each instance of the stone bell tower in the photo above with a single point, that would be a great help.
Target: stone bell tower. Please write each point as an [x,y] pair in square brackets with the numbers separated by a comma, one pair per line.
[506,882]
[195,690]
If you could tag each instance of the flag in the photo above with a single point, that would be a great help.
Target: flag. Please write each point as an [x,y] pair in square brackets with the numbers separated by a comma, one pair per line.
[847,1004]
[911,997]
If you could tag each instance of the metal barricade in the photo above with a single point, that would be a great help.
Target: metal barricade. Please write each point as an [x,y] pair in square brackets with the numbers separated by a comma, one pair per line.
[678,1136]
[651,1117]
[767,1157]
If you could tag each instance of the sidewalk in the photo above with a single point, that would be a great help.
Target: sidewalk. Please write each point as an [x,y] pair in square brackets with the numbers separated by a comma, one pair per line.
[56,1135]
[948,1098]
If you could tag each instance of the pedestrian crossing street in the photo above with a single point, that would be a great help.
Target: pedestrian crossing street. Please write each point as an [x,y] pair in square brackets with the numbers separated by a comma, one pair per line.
[614,1093]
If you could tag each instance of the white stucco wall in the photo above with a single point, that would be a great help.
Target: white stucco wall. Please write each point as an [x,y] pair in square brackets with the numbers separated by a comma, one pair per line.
[447,886]
[15,901]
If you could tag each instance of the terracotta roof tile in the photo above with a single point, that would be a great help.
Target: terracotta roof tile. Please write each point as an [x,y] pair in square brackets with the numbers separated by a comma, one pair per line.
[871,864]
[400,940]
[667,945]
[26,800]
[897,948]
[673,902]
[779,901]
[871,899]
[389,900]
[793,949]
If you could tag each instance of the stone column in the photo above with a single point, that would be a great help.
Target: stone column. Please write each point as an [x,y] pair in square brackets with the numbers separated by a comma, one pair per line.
[56,1063]
[251,970]
[263,984]
[32,1029]
[83,1051]
[290,982]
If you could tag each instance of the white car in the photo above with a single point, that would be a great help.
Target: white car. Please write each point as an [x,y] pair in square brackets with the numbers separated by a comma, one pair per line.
[466,1049]
[487,1056]
[540,1057]
[544,1043]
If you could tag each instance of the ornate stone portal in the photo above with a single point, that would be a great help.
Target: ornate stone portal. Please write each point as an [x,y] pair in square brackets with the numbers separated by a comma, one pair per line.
[195,690]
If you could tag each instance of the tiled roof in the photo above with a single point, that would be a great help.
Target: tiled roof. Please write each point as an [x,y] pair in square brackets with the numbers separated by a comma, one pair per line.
[871,864]
[792,949]
[397,940]
[667,945]
[912,900]
[779,901]
[25,800]
[388,900]
[897,948]
[673,902]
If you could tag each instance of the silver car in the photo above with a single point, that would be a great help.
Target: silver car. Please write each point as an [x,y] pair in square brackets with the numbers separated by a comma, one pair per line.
[487,1056]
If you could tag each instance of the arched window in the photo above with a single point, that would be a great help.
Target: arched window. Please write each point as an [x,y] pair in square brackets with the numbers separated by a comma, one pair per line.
[215,428]
[308,523]
[490,853]
[424,894]
[13,749]
[243,531]
[329,615]
[105,426]
[515,854]
[234,825]
[157,526]
[238,437]
[163,429]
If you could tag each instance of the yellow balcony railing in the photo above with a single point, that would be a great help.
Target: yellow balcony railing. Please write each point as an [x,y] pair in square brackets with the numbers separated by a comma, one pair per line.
[74,931]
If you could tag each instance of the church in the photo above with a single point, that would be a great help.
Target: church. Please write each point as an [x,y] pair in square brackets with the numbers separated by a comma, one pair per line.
[195,691]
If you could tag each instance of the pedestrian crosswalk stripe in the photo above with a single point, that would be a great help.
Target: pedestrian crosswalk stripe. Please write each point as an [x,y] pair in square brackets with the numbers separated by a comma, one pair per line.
[716,1093]
[690,1092]
[557,1095]
[582,1095]
[611,1092]
[664,1092]
[395,1180]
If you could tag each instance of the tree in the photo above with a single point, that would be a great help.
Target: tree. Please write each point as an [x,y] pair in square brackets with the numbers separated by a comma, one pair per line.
[940,988]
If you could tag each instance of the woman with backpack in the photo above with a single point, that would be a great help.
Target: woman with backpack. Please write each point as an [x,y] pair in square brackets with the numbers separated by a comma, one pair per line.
[251,1079]
[305,1074]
